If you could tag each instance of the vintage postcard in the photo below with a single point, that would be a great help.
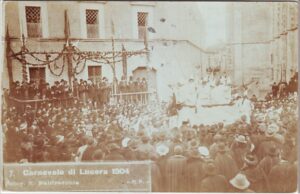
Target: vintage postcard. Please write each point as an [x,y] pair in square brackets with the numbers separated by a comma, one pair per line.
[149,96]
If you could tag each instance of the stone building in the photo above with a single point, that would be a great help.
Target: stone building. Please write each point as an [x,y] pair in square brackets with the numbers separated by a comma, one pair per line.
[174,32]
[261,45]
[284,44]
[262,37]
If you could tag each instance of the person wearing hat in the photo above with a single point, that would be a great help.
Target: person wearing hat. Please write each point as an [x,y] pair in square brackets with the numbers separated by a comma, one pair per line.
[130,152]
[240,184]
[271,159]
[213,148]
[239,148]
[145,146]
[194,171]
[114,153]
[91,147]
[224,162]
[253,174]
[213,182]
[80,151]
[268,142]
[97,155]
[175,171]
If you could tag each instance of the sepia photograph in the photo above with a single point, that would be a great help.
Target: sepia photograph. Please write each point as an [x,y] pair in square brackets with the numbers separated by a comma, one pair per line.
[149,96]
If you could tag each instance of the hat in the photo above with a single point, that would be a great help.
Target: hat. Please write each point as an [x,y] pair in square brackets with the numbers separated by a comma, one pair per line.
[59,139]
[24,160]
[217,137]
[162,149]
[125,142]
[133,144]
[97,155]
[250,159]
[271,130]
[145,138]
[185,122]
[221,147]
[240,181]
[194,153]
[193,144]
[240,139]
[23,126]
[210,168]
[113,147]
[178,150]
[203,151]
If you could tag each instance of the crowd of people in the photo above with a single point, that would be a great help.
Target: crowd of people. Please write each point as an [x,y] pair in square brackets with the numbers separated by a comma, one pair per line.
[98,93]
[283,89]
[238,157]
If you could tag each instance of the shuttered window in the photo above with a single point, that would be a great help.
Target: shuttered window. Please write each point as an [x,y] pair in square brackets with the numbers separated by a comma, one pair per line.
[142,24]
[33,21]
[92,23]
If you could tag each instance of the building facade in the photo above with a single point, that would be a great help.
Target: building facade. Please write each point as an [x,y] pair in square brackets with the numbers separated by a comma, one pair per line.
[173,40]
[284,44]
[263,39]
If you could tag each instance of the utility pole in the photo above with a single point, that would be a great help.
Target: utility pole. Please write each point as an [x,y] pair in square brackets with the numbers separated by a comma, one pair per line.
[23,60]
[8,58]
[124,61]
[69,49]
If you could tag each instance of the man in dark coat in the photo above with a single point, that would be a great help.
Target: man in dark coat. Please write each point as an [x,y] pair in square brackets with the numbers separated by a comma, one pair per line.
[224,162]
[281,178]
[213,182]
[270,160]
[274,90]
[195,171]
[253,173]
[114,153]
[175,171]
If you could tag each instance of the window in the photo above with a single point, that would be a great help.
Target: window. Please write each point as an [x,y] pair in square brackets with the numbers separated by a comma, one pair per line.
[37,73]
[92,23]
[33,21]
[94,73]
[142,24]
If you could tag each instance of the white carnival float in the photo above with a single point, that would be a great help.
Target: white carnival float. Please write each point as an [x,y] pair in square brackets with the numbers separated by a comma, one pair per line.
[209,101]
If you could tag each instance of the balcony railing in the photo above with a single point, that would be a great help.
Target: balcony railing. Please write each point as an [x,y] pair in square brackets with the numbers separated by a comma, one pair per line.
[134,97]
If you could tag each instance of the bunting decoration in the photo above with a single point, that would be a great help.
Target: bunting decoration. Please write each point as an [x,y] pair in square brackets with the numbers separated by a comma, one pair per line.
[70,55]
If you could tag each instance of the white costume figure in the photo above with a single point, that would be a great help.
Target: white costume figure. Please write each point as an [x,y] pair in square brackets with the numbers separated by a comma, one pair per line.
[245,107]
[223,80]
[202,94]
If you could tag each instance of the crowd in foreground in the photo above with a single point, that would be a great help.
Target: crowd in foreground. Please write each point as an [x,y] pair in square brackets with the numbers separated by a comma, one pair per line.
[240,157]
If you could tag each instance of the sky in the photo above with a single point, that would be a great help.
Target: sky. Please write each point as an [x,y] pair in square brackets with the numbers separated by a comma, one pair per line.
[213,14]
